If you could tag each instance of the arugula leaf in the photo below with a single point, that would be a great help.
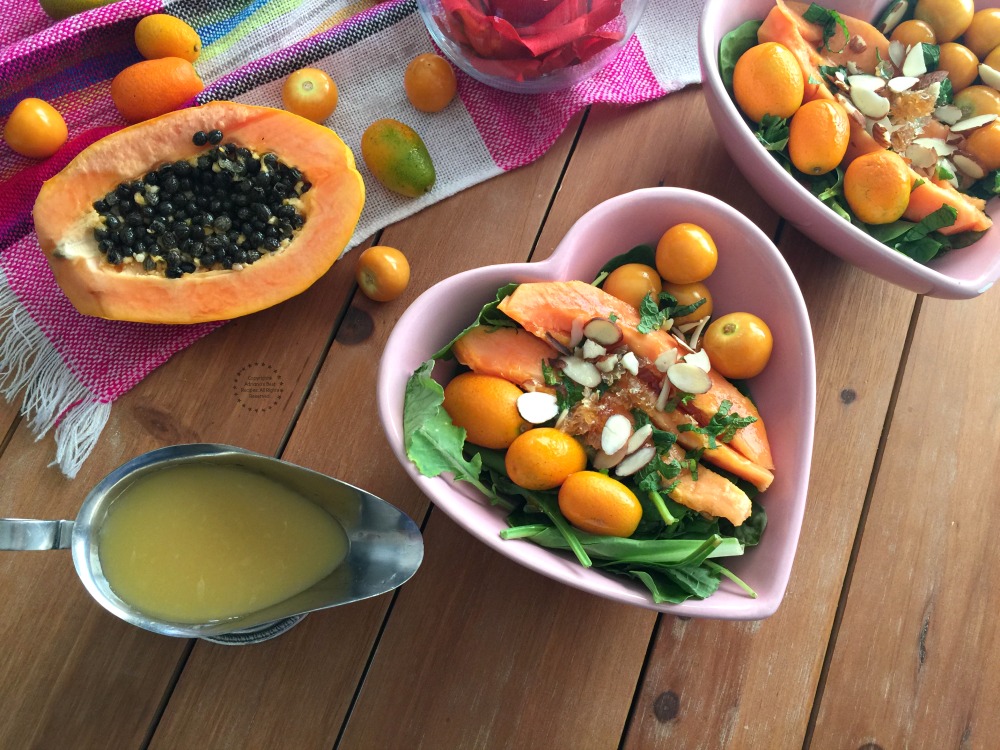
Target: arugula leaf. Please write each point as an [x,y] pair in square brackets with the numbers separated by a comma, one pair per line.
[490,315]
[432,442]
[830,21]
[732,46]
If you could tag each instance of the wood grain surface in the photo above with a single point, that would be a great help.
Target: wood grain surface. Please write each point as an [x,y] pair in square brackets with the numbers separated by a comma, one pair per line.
[885,637]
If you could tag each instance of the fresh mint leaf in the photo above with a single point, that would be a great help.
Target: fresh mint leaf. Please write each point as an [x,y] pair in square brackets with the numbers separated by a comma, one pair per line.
[650,315]
[830,21]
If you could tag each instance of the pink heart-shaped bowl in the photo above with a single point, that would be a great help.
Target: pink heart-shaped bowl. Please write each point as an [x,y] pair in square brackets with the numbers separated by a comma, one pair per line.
[751,276]
[962,273]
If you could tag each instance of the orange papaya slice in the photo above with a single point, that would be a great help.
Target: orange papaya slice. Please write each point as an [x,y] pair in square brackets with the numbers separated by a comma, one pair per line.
[143,265]
[710,493]
[722,455]
[930,195]
[509,353]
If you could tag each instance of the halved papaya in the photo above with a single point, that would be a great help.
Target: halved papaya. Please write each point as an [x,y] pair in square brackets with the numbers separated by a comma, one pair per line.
[206,213]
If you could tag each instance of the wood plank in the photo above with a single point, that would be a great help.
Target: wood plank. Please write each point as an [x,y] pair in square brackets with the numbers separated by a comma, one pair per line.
[480,652]
[912,665]
[319,664]
[717,684]
[72,675]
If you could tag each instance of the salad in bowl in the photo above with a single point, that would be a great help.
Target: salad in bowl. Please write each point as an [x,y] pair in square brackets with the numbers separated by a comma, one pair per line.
[632,416]
[876,130]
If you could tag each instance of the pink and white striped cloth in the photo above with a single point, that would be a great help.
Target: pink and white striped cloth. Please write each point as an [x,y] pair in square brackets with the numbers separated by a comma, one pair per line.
[68,368]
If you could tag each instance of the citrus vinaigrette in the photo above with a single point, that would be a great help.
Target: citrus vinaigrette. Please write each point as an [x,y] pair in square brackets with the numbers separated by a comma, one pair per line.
[199,543]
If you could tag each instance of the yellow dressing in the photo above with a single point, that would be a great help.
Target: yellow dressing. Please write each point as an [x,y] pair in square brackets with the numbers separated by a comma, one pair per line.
[205,542]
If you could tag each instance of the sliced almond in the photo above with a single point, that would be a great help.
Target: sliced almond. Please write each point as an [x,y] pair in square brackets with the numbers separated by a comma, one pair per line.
[865,81]
[607,364]
[913,63]
[603,461]
[683,342]
[617,430]
[920,156]
[664,395]
[689,378]
[639,437]
[631,464]
[971,123]
[990,76]
[968,167]
[665,360]
[603,331]
[949,114]
[897,52]
[581,371]
[871,104]
[939,146]
[592,350]
[630,362]
[537,407]
[699,359]
[893,16]
[899,84]
[880,133]
[558,345]
[696,334]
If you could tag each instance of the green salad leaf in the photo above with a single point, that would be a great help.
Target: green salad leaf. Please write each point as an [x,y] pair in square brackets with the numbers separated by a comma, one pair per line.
[732,46]
[919,240]
[432,442]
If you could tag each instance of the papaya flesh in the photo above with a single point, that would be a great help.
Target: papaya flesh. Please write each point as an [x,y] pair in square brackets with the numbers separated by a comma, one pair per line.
[785,24]
[509,353]
[327,208]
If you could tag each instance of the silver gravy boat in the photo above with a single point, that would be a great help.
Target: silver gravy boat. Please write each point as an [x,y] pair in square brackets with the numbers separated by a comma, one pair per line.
[385,545]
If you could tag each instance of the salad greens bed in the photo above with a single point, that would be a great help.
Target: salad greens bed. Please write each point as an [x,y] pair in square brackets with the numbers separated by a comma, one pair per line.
[917,240]
[674,550]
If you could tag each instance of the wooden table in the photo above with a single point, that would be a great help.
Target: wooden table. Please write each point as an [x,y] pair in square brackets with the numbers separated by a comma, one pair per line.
[886,637]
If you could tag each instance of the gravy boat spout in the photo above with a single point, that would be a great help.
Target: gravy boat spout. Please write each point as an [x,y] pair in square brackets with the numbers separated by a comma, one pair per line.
[385,547]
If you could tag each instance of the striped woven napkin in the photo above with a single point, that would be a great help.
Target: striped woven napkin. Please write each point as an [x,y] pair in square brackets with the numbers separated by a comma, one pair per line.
[69,368]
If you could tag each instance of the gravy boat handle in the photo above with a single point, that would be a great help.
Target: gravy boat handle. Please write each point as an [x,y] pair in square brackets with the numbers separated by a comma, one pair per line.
[31,534]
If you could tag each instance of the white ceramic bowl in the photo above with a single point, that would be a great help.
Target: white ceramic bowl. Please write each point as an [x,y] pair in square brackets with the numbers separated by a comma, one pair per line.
[960,274]
[751,276]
